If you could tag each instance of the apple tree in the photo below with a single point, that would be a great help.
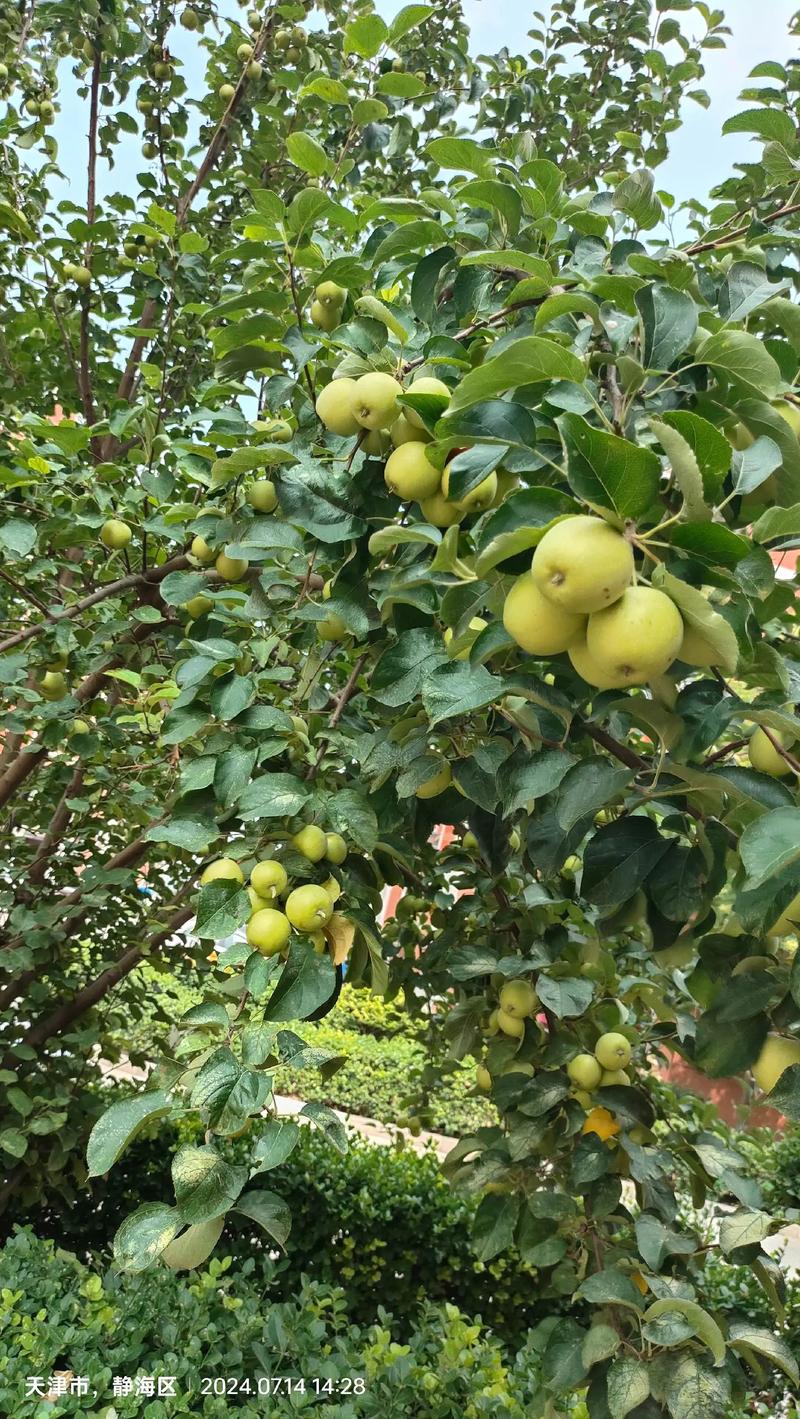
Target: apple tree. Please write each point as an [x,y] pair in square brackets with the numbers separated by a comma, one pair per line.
[416,470]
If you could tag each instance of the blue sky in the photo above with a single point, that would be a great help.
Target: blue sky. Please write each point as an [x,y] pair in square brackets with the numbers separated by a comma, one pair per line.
[700,156]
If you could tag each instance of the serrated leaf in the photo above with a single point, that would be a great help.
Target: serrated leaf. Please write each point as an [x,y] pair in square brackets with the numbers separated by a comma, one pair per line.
[530,360]
[608,470]
[144,1236]
[628,1386]
[685,469]
[698,613]
[269,1211]
[703,1325]
[205,1184]
[306,153]
[744,1228]
[118,1126]
[776,1350]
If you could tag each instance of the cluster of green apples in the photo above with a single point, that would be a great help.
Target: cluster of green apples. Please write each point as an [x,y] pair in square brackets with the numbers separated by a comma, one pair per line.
[580,597]
[612,1055]
[327,305]
[79,275]
[261,496]
[278,907]
[41,109]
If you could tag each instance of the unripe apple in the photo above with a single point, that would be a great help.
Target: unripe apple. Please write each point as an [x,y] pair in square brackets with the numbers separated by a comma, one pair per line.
[777,1054]
[198,606]
[32,107]
[336,850]
[82,276]
[226,92]
[764,756]
[519,998]
[311,842]
[483,1079]
[115,534]
[426,384]
[440,512]
[332,628]
[536,624]
[325,317]
[201,551]
[588,669]
[613,1076]
[269,878]
[696,650]
[282,39]
[469,842]
[299,36]
[328,293]
[437,783]
[410,474]
[245,51]
[231,568]
[268,930]
[511,1025]
[149,151]
[223,870]
[477,498]
[309,907]
[190,18]
[53,685]
[376,443]
[398,65]
[582,564]
[788,923]
[258,903]
[375,400]
[790,413]
[162,70]
[613,1051]
[335,407]
[81,726]
[585,1071]
[477,624]
[46,111]
[403,431]
[261,495]
[293,54]
[636,638]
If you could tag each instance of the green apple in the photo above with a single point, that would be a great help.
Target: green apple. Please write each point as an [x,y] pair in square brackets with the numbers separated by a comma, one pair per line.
[309,907]
[223,870]
[115,534]
[269,877]
[268,930]
[311,842]
[613,1051]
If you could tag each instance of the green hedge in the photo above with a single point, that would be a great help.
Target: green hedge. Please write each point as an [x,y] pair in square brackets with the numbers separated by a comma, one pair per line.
[56,1314]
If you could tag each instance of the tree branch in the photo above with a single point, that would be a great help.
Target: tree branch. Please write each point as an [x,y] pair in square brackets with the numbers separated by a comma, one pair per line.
[84,367]
[101,593]
[742,231]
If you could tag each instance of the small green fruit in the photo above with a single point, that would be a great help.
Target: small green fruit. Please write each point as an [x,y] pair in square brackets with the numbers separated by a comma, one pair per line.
[518,998]
[231,568]
[336,848]
[311,842]
[269,878]
[437,783]
[223,870]
[585,1071]
[53,685]
[613,1051]
[261,495]
[198,606]
[115,534]
[268,930]
[309,907]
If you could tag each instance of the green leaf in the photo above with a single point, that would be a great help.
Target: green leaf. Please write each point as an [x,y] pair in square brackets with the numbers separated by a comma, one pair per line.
[745,288]
[494,1225]
[628,1386]
[785,1096]
[745,1335]
[669,323]
[773,123]
[409,18]
[525,777]
[500,196]
[18,537]
[13,1142]
[184,833]
[530,360]
[208,1012]
[274,1144]
[458,688]
[611,1287]
[601,1342]
[744,361]
[698,613]
[566,997]
[215,1083]
[635,196]
[269,1211]
[328,1123]
[365,36]
[769,844]
[568,303]
[144,1235]
[396,535]
[462,155]
[694,1390]
[587,787]
[720,1051]
[563,1368]
[685,469]
[709,446]
[205,1184]
[318,516]
[179,587]
[619,858]
[656,1241]
[400,86]
[743,1229]
[306,153]
[350,813]
[703,1325]
[221,909]
[327,89]
[306,982]
[272,796]
[607,470]
[403,667]
[116,1128]
[777,522]
[518,524]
